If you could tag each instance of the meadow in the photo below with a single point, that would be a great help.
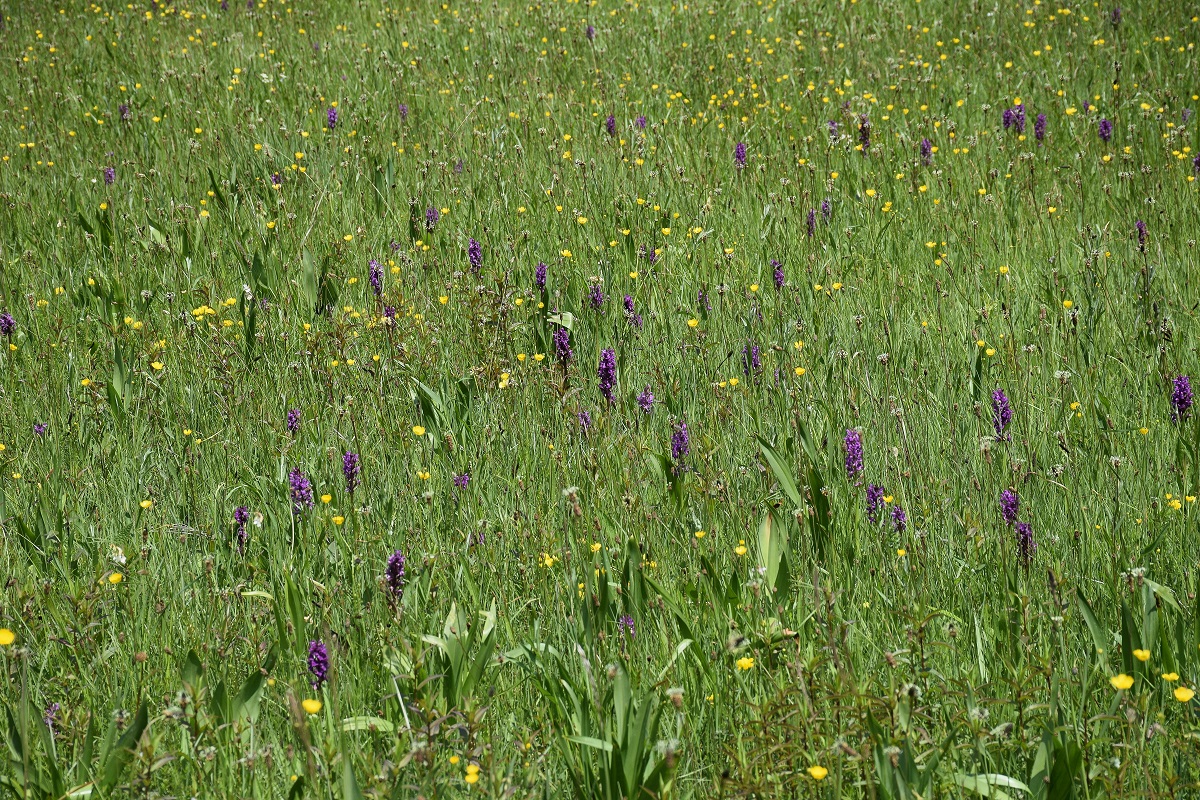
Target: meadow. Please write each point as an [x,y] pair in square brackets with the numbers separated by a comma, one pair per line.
[600,399]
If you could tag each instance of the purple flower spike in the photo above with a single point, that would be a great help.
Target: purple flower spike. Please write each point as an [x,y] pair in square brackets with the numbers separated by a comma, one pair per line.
[1010,505]
[394,575]
[1026,546]
[475,255]
[301,491]
[874,502]
[1001,413]
[1181,398]
[352,470]
[854,455]
[318,662]
[607,373]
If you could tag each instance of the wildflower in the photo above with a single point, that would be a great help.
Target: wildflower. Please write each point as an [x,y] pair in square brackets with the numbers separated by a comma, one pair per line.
[633,317]
[926,152]
[539,276]
[739,155]
[293,421]
[1121,682]
[110,176]
[1001,413]
[301,491]
[1141,235]
[777,275]
[431,219]
[1105,129]
[899,519]
[625,625]
[311,705]
[1026,546]
[7,637]
[1183,694]
[475,254]
[1115,17]
[39,428]
[864,133]
[276,179]
[745,663]
[7,324]
[1141,655]
[610,125]
[833,130]
[123,110]
[318,662]
[1010,504]
[403,109]
[826,208]
[607,373]
[1039,128]
[394,575]
[645,400]
[585,421]
[461,481]
[874,502]
[1181,397]
[331,115]
[241,515]
[596,297]
[640,122]
[817,772]
[375,276]
[352,470]
[562,346]
[811,222]
[854,454]
[751,359]
[680,443]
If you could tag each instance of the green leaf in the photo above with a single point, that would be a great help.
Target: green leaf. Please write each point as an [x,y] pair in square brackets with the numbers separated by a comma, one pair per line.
[120,756]
[783,475]
[376,724]
[1100,638]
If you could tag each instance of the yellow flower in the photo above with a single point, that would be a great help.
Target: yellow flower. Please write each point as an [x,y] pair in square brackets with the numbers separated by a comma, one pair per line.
[1183,694]
[745,663]
[693,323]
[339,519]
[581,220]
[146,503]
[741,548]
[1141,655]
[1170,677]
[418,430]
[754,287]
[733,381]
[818,772]
[454,760]
[547,560]
[472,777]
[1143,431]
[700,534]
[86,382]
[566,253]
[901,553]
[1067,304]
[443,299]
[1121,682]
[115,578]
[7,637]
[800,371]
[312,705]
[326,498]
[156,364]
[538,356]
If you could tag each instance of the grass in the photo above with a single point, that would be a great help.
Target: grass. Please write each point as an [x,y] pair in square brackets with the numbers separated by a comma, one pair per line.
[684,596]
